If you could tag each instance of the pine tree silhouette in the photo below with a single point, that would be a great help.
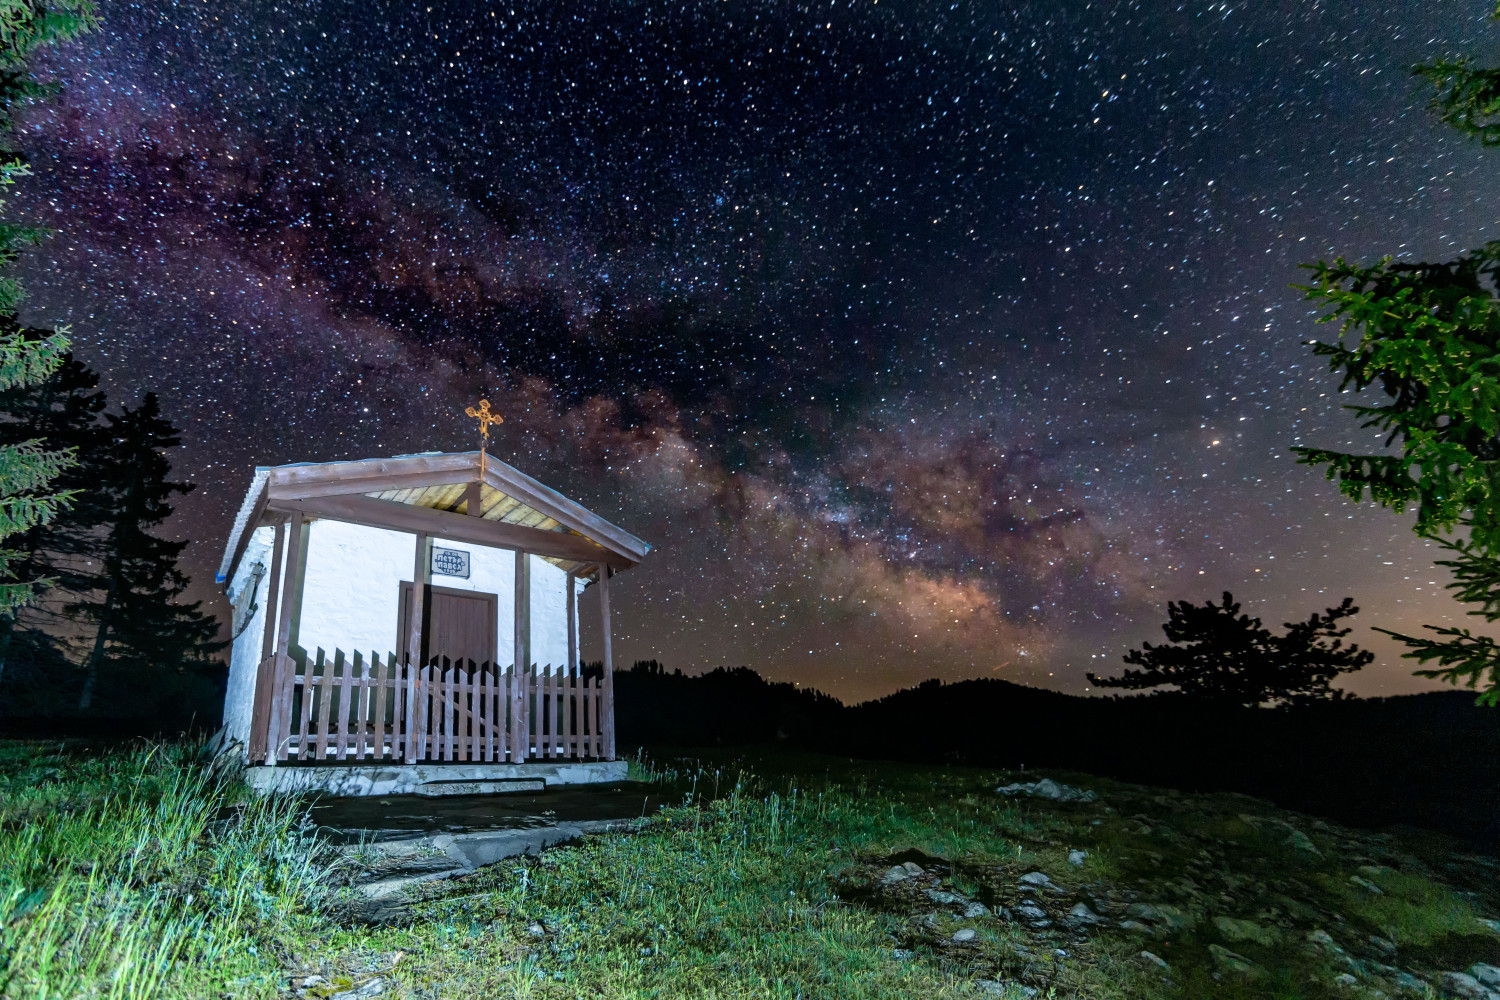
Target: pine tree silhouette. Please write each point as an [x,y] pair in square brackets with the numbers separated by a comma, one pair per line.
[143,633]
[63,412]
[1223,656]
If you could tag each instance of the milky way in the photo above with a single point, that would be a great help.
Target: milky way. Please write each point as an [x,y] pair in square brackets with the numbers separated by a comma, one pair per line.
[922,339]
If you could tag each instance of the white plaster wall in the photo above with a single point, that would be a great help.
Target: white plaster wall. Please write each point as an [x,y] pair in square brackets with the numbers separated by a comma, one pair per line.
[351,592]
[549,615]
[352,588]
[244,654]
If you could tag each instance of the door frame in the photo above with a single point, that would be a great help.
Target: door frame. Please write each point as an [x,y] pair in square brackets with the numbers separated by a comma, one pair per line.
[403,617]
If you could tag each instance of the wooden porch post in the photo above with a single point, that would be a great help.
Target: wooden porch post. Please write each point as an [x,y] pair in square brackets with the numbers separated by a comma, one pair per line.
[265,671]
[572,624]
[608,708]
[473,498]
[521,673]
[416,692]
[291,604]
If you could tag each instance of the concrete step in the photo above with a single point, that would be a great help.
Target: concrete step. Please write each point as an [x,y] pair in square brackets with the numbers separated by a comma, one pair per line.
[481,786]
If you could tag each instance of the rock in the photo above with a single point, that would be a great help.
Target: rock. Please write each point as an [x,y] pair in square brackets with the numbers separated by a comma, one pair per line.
[1295,838]
[1032,914]
[1493,925]
[912,868]
[1299,841]
[301,984]
[1077,858]
[1409,983]
[373,988]
[1465,987]
[903,954]
[1135,927]
[1237,930]
[994,988]
[1345,981]
[942,898]
[1365,883]
[1170,918]
[536,930]
[894,875]
[1234,962]
[976,910]
[1155,960]
[1386,949]
[1323,939]
[1049,789]
[1081,914]
[1038,880]
[1488,975]
[964,935]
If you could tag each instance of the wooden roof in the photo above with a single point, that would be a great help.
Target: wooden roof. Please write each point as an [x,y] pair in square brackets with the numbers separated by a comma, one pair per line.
[433,493]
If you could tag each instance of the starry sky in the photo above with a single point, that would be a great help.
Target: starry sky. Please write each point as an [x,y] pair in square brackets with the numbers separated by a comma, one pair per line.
[921,339]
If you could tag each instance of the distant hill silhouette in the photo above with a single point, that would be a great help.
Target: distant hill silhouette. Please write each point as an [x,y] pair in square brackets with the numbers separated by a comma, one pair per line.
[1427,760]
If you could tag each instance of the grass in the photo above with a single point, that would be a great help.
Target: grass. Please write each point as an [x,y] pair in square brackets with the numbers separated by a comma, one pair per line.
[141,874]
[733,899]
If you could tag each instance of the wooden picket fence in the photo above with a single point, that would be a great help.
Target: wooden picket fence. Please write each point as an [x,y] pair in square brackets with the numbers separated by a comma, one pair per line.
[355,709]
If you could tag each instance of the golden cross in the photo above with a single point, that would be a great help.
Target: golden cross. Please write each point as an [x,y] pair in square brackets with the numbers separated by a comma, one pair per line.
[485,417]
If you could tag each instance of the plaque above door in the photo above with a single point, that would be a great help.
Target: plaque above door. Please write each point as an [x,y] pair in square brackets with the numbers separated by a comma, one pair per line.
[450,562]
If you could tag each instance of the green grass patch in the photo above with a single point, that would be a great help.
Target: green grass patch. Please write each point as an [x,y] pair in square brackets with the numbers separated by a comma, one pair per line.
[141,873]
[1413,910]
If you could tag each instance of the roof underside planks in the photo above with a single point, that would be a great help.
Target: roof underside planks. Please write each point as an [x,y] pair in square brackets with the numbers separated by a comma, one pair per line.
[516,510]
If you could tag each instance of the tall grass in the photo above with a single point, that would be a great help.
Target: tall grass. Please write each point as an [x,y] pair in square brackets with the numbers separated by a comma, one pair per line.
[144,873]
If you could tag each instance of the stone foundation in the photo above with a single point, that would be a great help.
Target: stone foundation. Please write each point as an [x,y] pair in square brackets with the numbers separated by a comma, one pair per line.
[409,779]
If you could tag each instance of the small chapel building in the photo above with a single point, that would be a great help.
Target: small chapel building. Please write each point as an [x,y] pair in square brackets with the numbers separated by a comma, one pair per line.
[411,625]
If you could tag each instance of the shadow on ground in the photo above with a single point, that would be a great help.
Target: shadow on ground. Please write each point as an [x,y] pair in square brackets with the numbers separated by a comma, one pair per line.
[373,819]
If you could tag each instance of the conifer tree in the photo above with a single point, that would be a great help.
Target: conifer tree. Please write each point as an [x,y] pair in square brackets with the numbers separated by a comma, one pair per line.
[142,631]
[1218,654]
[27,468]
[1427,336]
[63,412]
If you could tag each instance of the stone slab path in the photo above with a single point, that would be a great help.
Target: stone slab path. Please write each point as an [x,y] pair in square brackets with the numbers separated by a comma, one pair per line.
[397,846]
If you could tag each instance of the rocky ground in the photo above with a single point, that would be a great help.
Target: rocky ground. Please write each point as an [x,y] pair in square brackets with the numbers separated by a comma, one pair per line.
[1225,886]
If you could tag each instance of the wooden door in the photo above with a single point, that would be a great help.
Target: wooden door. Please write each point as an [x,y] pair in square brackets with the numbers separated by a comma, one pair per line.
[457,624]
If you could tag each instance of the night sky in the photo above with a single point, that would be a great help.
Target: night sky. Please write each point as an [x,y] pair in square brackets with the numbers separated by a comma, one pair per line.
[921,339]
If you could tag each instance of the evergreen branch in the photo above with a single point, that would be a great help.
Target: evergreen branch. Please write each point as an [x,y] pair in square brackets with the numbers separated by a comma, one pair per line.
[28,466]
[22,513]
[1467,98]
[24,360]
[26,25]
[1465,659]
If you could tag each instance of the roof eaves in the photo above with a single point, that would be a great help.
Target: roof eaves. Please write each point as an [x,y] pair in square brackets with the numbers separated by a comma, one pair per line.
[242,521]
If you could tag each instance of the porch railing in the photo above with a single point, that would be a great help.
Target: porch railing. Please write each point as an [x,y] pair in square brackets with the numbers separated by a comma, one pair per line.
[343,708]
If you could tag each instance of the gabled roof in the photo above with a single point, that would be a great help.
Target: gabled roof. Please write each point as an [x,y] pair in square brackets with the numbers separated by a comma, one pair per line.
[432,492]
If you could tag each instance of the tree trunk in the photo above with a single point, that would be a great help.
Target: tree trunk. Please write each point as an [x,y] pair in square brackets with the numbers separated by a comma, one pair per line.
[91,665]
[114,567]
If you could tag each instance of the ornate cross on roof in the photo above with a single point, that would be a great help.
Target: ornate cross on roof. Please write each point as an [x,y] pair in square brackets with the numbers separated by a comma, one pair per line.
[485,416]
